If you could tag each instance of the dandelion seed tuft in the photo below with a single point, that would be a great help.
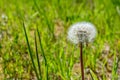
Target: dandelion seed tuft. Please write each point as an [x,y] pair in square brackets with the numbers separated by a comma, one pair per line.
[81,32]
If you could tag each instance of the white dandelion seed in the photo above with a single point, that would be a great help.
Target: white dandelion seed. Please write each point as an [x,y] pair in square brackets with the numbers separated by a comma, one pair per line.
[81,32]
[4,19]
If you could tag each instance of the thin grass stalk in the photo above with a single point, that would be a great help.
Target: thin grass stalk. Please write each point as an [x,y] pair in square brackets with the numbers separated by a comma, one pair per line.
[43,53]
[91,76]
[81,60]
[39,67]
[30,51]
[47,21]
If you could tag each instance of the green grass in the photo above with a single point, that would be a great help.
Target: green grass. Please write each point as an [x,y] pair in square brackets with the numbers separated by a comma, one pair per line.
[58,58]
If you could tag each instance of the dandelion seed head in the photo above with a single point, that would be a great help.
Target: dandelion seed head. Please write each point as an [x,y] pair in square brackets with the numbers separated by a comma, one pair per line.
[4,17]
[81,32]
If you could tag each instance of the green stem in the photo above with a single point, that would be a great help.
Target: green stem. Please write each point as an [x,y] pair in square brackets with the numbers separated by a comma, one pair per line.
[43,53]
[30,51]
[39,67]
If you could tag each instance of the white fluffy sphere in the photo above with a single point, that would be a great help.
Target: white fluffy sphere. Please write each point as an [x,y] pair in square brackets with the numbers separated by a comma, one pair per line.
[81,32]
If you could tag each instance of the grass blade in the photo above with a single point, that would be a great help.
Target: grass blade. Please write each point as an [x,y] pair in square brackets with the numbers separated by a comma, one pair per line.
[30,51]
[39,67]
[45,16]
[93,75]
[43,53]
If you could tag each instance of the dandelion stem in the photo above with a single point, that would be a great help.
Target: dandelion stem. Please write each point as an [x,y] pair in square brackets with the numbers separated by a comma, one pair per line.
[81,60]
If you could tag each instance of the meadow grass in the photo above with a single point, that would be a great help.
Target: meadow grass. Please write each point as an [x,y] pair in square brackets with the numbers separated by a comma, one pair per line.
[46,23]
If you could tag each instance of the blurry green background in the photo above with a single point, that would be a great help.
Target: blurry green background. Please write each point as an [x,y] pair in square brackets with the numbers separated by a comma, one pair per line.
[53,18]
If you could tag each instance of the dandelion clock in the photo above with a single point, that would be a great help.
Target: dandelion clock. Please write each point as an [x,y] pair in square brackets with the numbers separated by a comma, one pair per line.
[80,33]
